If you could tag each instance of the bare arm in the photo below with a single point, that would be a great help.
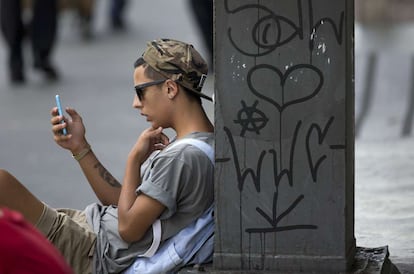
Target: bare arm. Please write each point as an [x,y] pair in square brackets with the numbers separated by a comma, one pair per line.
[105,186]
[137,212]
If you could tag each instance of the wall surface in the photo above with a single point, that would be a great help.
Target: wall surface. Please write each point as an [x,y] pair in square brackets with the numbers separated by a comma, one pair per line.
[284,135]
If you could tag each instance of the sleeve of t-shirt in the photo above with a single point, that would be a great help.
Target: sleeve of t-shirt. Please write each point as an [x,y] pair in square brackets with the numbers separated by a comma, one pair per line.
[167,176]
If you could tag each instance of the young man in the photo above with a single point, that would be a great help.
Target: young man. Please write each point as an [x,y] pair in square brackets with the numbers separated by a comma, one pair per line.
[174,185]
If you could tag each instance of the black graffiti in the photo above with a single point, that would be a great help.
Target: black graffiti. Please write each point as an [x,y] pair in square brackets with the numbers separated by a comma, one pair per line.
[274,218]
[338,30]
[251,118]
[337,147]
[287,172]
[279,173]
[288,88]
[274,221]
[256,176]
[283,78]
[241,176]
[321,136]
[268,34]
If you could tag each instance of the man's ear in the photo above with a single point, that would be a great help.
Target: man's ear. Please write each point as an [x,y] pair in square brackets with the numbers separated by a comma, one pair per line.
[173,89]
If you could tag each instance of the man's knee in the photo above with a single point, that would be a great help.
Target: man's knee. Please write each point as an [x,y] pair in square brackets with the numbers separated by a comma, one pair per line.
[4,173]
[5,177]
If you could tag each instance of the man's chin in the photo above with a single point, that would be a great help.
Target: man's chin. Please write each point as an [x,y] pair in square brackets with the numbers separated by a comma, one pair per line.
[154,124]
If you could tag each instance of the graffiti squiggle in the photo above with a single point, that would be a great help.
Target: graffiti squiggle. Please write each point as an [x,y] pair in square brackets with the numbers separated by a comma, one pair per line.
[270,19]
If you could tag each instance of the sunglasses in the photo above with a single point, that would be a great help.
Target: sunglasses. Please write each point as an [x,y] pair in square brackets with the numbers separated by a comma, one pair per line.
[139,89]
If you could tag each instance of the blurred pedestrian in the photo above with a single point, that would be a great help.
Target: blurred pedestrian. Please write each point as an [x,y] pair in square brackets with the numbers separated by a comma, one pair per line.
[117,11]
[203,14]
[23,249]
[41,31]
[86,8]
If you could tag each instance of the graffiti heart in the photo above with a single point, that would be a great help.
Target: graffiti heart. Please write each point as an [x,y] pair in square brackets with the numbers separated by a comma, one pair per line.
[306,91]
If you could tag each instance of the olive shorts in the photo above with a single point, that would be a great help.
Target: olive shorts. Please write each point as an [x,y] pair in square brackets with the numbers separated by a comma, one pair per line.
[68,230]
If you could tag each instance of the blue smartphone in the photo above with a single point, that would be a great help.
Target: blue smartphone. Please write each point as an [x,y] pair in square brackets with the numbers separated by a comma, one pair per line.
[60,111]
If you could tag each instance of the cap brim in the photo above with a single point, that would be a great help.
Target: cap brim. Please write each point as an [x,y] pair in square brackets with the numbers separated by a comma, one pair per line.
[202,95]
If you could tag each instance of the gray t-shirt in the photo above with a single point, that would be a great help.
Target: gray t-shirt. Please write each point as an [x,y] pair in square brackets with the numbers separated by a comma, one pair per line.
[181,178]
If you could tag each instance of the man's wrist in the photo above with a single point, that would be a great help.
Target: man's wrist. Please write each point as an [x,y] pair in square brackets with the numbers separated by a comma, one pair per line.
[79,146]
[134,159]
[81,153]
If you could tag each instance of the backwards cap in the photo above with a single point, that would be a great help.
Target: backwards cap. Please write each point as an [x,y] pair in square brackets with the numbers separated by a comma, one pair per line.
[178,61]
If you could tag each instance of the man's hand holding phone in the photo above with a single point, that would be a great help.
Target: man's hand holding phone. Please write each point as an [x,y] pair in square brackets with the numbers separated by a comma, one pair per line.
[69,133]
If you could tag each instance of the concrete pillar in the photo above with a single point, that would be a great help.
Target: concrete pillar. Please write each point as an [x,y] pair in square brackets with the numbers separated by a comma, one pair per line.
[284,135]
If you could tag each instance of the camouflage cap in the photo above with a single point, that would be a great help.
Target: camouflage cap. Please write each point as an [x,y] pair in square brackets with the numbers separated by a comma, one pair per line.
[178,61]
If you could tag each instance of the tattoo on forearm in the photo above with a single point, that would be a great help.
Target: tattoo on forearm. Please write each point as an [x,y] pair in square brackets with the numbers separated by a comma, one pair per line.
[106,175]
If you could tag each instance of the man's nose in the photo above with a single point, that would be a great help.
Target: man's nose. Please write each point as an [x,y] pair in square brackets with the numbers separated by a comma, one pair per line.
[136,103]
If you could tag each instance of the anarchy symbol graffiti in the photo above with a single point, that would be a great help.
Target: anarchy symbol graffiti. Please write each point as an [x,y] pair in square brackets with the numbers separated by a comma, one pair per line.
[251,118]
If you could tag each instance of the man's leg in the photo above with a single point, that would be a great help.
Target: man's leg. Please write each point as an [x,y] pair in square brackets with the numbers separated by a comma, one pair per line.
[15,196]
[12,29]
[43,35]
[67,230]
[117,14]
[86,12]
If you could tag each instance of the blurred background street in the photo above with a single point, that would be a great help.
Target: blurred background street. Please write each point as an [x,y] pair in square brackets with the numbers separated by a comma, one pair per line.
[93,70]
[384,108]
